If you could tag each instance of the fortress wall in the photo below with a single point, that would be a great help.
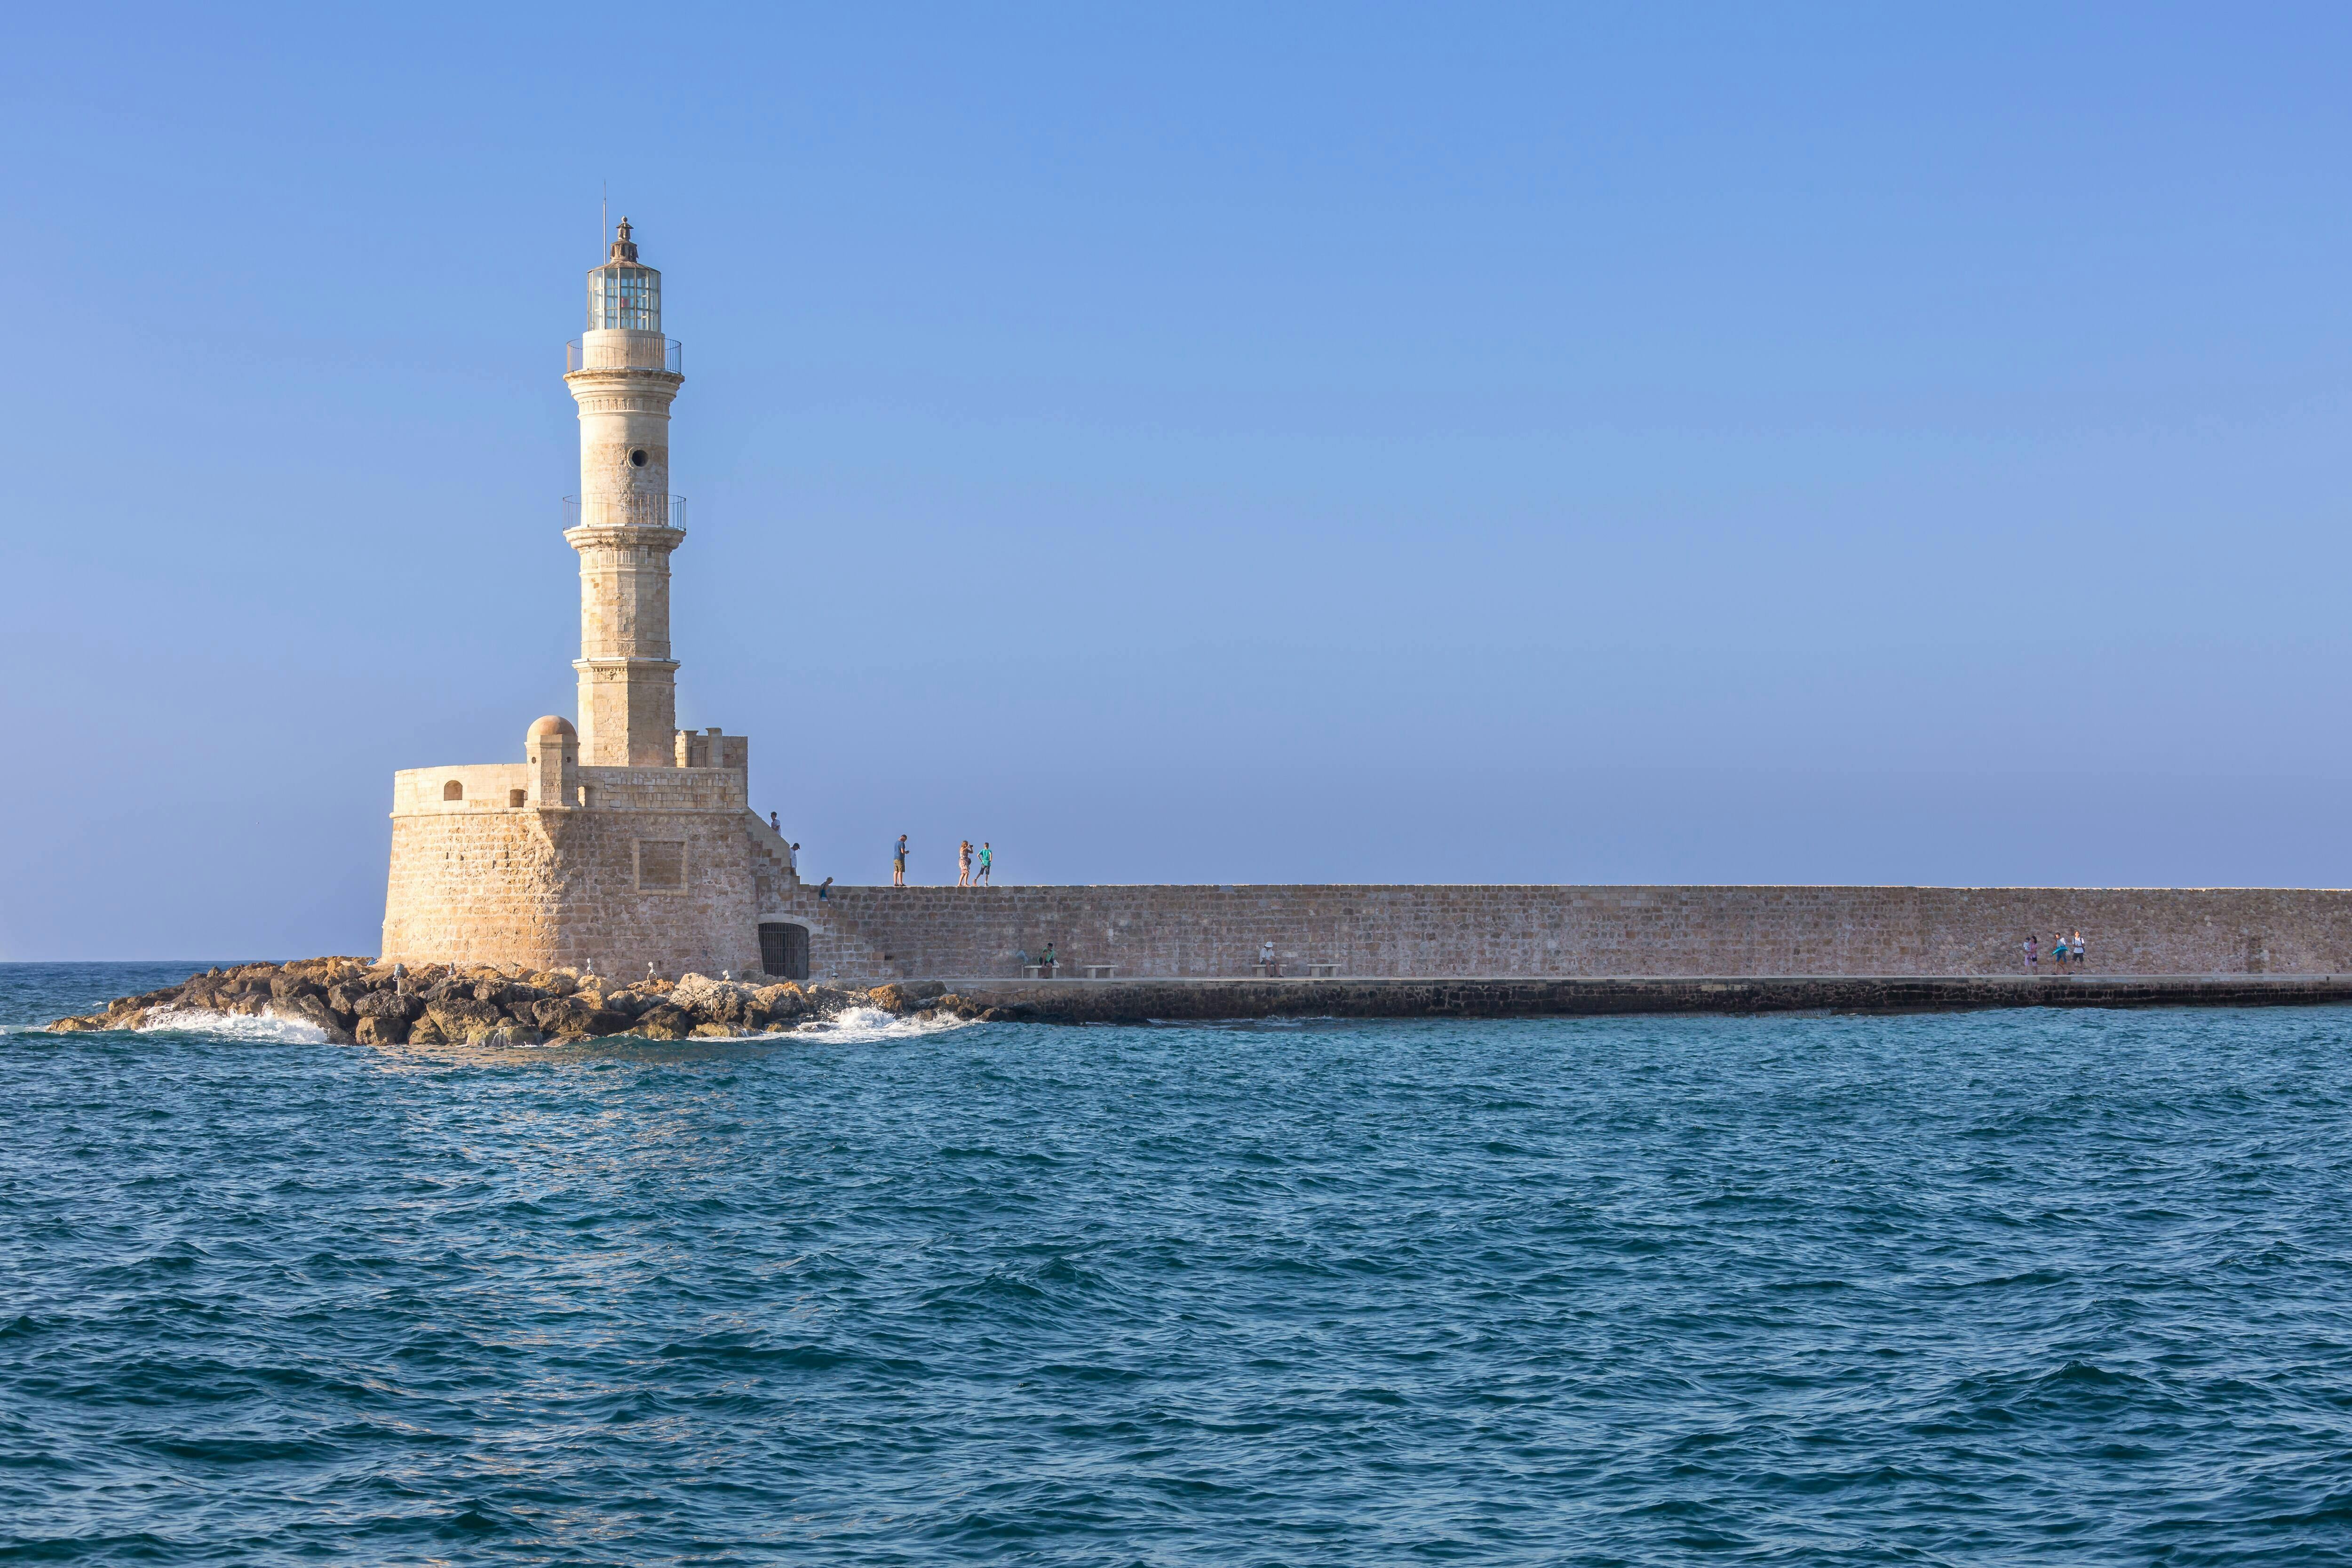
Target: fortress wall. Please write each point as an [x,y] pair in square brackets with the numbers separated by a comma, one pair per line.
[1540,930]
[665,789]
[624,889]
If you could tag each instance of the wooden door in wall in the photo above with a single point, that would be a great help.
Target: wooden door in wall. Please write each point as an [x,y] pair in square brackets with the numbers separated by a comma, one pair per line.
[783,950]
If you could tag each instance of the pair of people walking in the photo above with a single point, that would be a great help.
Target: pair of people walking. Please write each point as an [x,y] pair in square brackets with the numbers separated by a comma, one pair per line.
[2062,950]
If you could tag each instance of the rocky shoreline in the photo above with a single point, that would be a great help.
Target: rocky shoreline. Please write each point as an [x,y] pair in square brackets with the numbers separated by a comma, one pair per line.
[356,1001]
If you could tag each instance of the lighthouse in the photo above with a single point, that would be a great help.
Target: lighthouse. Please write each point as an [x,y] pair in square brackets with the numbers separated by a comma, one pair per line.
[620,841]
[623,373]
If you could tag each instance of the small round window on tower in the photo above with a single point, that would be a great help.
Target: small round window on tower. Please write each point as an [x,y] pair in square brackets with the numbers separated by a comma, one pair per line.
[637,457]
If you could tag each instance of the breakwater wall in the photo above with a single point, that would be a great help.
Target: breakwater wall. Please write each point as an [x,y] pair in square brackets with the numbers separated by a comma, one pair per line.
[1548,931]
[1176,1001]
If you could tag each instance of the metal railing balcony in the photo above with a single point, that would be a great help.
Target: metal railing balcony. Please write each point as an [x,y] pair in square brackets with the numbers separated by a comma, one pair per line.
[626,355]
[625,511]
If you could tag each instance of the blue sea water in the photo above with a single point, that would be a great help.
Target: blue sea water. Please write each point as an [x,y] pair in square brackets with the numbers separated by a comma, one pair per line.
[2019,1287]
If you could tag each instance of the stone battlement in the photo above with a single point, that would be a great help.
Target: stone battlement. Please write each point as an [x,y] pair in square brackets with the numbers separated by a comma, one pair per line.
[486,786]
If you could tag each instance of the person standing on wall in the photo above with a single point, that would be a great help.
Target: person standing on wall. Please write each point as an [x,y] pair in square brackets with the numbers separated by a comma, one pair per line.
[2078,948]
[987,863]
[899,863]
[963,864]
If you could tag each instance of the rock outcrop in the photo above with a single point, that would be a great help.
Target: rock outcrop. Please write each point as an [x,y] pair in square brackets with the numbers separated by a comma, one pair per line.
[358,1001]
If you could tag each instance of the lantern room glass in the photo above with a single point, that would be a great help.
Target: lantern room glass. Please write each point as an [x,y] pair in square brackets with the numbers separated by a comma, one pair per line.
[624,298]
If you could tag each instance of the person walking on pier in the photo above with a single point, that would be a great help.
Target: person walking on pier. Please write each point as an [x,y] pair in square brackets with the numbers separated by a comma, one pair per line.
[899,863]
[2033,945]
[2078,948]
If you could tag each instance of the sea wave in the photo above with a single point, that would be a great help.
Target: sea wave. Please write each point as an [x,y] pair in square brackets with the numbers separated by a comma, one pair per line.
[270,1028]
[862,1026]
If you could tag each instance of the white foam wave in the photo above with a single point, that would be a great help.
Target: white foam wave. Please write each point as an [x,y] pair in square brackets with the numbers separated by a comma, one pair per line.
[232,1026]
[862,1026]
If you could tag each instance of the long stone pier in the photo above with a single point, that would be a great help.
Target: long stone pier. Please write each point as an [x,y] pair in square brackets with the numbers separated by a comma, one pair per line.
[1161,1000]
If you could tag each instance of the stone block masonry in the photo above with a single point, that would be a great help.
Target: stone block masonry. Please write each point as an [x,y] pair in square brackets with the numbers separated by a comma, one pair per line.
[1564,930]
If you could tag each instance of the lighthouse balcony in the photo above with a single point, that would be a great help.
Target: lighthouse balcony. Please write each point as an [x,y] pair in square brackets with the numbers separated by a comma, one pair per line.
[631,511]
[618,350]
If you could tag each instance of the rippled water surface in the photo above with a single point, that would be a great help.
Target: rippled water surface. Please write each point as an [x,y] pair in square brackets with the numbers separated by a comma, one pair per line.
[1994,1288]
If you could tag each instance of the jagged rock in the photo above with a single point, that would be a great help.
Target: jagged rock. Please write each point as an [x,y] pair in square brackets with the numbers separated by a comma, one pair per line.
[713,1032]
[79,1026]
[426,1032]
[381,1029]
[906,995]
[461,1018]
[576,1015]
[311,1008]
[714,1001]
[390,1005]
[664,1023]
[130,1012]
[508,1034]
[290,983]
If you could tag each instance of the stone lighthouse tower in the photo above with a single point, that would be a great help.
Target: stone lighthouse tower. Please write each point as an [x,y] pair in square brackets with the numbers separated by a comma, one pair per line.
[620,842]
[623,376]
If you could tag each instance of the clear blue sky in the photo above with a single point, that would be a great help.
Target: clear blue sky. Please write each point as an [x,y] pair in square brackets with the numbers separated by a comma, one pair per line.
[1622,443]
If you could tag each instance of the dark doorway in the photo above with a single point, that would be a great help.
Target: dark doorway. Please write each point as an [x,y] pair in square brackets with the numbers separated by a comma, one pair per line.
[783,950]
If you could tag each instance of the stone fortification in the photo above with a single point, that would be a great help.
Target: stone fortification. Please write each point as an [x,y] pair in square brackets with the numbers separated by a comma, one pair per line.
[1415,931]
[652,866]
[623,843]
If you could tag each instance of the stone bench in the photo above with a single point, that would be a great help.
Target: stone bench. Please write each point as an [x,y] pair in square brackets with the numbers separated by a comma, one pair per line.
[1101,970]
[1321,971]
[1039,971]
